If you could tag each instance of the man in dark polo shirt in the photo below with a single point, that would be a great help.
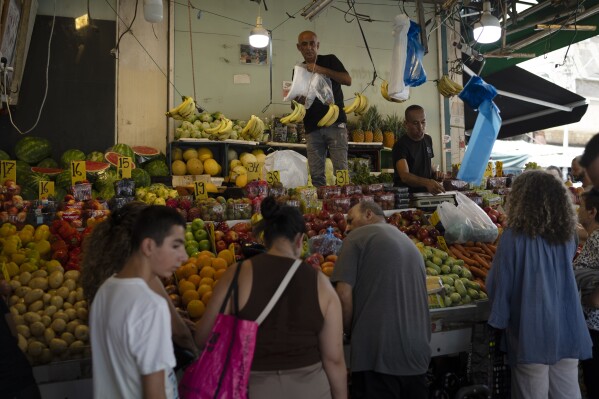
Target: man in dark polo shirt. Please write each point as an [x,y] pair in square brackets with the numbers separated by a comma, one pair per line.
[412,155]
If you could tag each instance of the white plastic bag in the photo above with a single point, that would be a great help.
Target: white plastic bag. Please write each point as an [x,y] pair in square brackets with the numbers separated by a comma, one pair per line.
[310,85]
[458,228]
[483,228]
[291,165]
[397,88]
[300,83]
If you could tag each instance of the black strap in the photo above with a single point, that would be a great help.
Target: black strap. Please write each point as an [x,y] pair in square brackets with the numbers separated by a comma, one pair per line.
[232,287]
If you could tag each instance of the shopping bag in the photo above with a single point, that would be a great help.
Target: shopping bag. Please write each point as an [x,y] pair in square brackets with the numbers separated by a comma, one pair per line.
[291,165]
[414,74]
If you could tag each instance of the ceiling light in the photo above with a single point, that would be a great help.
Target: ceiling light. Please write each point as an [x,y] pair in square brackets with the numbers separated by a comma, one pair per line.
[487,29]
[312,10]
[258,35]
[153,11]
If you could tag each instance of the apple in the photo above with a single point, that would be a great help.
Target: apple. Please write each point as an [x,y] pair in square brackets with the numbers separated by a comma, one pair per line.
[493,218]
[434,233]
[338,216]
[221,245]
[197,224]
[318,224]
[309,217]
[322,231]
[218,235]
[329,223]
[242,227]
[342,225]
[309,226]
[311,233]
[314,261]
[338,235]
[231,236]
[200,235]
[487,209]
[324,215]
[422,233]
[429,241]
[416,223]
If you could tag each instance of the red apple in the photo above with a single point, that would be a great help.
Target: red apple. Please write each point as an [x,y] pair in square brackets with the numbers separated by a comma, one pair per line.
[311,233]
[309,226]
[220,245]
[493,218]
[318,224]
[322,231]
[309,217]
[422,233]
[338,216]
[429,241]
[329,223]
[338,235]
[231,236]
[218,235]
[324,215]
[433,233]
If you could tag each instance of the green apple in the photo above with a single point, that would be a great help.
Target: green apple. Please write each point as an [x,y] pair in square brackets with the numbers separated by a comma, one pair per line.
[189,236]
[197,224]
[191,249]
[204,245]
[200,235]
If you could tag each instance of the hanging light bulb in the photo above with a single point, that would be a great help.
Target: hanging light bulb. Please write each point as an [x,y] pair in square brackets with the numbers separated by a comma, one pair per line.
[487,29]
[153,11]
[258,35]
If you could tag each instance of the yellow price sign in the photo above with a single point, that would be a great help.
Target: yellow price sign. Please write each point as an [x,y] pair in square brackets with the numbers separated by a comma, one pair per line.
[499,169]
[254,169]
[45,189]
[199,190]
[342,177]
[8,171]
[125,166]
[77,171]
[442,243]
[489,170]
[273,177]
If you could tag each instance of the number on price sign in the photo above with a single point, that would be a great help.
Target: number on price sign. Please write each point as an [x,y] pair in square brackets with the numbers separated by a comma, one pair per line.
[253,169]
[8,171]
[342,177]
[499,169]
[273,177]
[199,190]
[45,189]
[124,170]
[489,170]
[77,171]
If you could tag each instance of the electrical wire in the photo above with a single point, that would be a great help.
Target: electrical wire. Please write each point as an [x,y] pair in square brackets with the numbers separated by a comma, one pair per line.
[116,48]
[5,83]
[193,71]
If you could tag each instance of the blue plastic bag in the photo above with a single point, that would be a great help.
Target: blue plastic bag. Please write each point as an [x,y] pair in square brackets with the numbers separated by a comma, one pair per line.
[476,91]
[414,74]
[481,143]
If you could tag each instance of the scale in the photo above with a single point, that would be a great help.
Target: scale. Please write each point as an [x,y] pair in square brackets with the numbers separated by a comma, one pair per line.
[429,202]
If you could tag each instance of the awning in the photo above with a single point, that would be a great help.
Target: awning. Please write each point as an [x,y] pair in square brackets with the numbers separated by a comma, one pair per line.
[520,116]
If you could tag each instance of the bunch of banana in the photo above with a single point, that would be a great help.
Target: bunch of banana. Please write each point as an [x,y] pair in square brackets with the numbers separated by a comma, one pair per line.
[385,93]
[222,130]
[185,110]
[299,111]
[447,87]
[330,117]
[253,129]
[359,106]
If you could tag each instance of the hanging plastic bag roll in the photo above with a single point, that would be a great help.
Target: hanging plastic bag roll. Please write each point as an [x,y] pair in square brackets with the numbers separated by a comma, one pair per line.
[397,88]
[310,85]
[484,134]
[414,74]
[292,167]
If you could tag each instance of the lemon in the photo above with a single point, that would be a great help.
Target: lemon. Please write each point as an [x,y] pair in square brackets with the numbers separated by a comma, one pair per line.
[205,154]
[189,154]
[179,168]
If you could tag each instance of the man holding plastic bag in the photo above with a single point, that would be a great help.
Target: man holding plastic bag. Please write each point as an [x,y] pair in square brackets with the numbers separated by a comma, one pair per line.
[334,137]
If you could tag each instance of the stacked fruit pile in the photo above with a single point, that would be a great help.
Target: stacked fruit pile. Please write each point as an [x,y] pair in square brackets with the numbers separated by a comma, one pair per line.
[193,161]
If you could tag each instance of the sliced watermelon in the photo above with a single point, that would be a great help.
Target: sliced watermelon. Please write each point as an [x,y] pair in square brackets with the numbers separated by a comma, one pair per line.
[113,159]
[145,151]
[94,167]
[47,171]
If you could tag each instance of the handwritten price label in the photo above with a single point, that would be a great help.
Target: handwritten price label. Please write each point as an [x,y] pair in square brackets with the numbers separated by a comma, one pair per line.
[254,169]
[342,177]
[77,171]
[273,177]
[489,170]
[45,189]
[125,166]
[499,169]
[199,190]
[8,171]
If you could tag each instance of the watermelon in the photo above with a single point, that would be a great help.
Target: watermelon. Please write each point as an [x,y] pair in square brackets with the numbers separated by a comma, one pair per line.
[107,192]
[113,159]
[71,155]
[29,194]
[32,181]
[157,168]
[63,180]
[33,149]
[145,151]
[107,178]
[23,170]
[48,171]
[124,150]
[95,156]
[59,193]
[48,163]
[4,156]
[95,166]
[141,177]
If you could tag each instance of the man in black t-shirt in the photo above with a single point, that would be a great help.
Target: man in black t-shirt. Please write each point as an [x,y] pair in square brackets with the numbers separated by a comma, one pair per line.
[412,155]
[334,137]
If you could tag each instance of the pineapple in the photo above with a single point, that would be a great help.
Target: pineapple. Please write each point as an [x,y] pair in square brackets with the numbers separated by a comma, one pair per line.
[378,124]
[357,135]
[392,123]
[368,119]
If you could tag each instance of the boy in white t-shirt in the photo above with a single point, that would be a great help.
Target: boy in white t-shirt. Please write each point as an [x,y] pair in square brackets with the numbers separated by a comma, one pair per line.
[132,350]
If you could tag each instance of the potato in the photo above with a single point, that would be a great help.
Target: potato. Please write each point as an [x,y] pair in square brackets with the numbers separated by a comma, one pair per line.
[72,275]
[70,284]
[80,294]
[20,307]
[57,301]
[33,295]
[82,332]
[39,273]
[80,304]
[72,298]
[52,292]
[49,335]
[14,284]
[12,300]
[72,313]
[22,291]
[18,319]
[46,298]
[35,349]
[67,305]
[47,320]
[58,346]
[56,279]
[24,278]
[24,331]
[37,328]
[67,337]
[58,325]
[76,347]
[72,325]
[22,343]
[32,317]
[82,314]
[38,282]
[50,310]
[60,315]
[45,357]
[35,306]
[63,292]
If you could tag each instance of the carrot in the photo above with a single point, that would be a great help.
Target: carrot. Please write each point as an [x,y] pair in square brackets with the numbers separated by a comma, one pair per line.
[481,261]
[469,243]
[453,250]
[459,247]
[486,257]
[466,259]
[480,273]
[493,248]
[476,249]
[486,248]
[481,283]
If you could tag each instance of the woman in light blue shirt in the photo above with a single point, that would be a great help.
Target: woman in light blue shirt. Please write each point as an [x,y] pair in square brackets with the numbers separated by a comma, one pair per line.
[533,292]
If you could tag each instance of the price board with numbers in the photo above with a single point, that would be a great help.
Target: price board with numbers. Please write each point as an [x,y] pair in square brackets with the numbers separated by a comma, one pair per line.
[124,167]
[199,190]
[273,177]
[77,171]
[342,177]
[499,169]
[254,170]
[45,189]
[8,171]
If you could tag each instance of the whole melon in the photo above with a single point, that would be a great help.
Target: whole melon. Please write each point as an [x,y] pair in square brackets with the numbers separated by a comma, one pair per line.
[107,178]
[32,181]
[205,153]
[179,168]
[231,155]
[4,156]
[63,180]
[141,177]
[23,171]
[189,153]
[33,149]
[157,168]
[211,167]
[124,150]
[95,156]
[47,163]
[177,154]
[195,167]
[107,192]
[71,155]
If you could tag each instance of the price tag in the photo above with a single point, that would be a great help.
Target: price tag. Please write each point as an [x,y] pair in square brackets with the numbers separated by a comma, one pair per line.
[273,177]
[499,169]
[199,190]
[5,272]
[124,169]
[489,170]
[8,171]
[442,243]
[45,189]
[253,169]
[77,171]
[342,177]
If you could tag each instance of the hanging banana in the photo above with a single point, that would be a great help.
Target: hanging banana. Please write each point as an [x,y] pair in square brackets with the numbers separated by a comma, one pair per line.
[385,93]
[447,87]
[330,117]
[183,111]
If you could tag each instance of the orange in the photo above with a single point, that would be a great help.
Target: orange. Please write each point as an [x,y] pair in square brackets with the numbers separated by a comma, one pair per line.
[207,281]
[204,260]
[207,271]
[227,256]
[196,309]
[327,264]
[327,270]
[185,285]
[219,274]
[331,258]
[204,288]
[209,253]
[186,270]
[189,296]
[195,279]
[206,297]
[219,263]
